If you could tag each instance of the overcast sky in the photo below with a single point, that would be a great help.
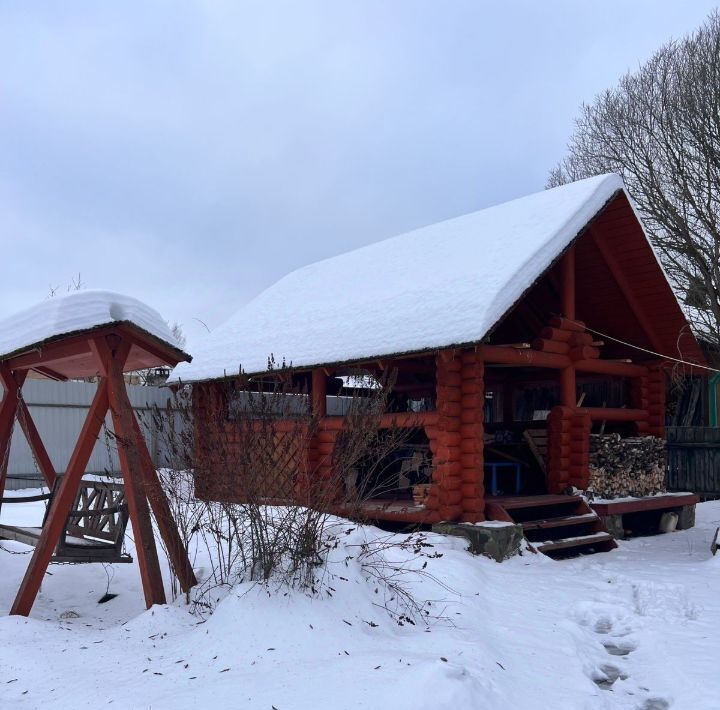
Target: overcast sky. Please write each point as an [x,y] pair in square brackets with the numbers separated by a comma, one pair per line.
[189,154]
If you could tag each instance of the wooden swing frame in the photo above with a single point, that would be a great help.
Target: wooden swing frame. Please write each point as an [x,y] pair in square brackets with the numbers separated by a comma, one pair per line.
[106,352]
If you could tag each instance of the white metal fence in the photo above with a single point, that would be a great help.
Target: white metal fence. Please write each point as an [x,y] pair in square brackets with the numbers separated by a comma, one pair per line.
[59,410]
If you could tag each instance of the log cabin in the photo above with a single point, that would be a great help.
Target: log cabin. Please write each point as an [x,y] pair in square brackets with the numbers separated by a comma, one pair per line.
[516,334]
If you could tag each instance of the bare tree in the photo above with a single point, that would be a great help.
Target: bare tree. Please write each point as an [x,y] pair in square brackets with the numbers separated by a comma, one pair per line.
[660,129]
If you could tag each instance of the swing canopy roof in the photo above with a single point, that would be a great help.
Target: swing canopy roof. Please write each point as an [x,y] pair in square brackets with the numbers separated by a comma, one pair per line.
[53,337]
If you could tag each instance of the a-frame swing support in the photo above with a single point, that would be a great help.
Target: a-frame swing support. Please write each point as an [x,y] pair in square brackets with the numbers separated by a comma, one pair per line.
[107,352]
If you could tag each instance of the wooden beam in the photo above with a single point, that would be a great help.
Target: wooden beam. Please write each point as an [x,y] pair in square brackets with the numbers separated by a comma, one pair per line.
[12,383]
[165,353]
[611,367]
[319,393]
[62,503]
[627,291]
[49,353]
[598,414]
[400,420]
[50,373]
[567,266]
[132,471]
[568,387]
[529,358]
[167,528]
[35,442]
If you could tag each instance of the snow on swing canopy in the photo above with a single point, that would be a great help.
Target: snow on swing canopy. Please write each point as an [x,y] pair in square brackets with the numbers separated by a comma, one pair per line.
[443,285]
[83,312]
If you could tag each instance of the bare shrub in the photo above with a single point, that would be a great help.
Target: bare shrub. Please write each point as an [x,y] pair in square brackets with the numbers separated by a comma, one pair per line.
[245,477]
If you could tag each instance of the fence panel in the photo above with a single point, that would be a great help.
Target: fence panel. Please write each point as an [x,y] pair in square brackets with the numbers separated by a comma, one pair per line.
[59,409]
[693,460]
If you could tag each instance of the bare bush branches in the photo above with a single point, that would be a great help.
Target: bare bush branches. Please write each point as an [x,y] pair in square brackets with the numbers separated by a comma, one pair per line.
[268,473]
[660,129]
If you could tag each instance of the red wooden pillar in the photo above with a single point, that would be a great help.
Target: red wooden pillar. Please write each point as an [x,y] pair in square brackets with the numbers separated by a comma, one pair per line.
[12,382]
[62,502]
[112,354]
[568,385]
[163,515]
[447,468]
[656,399]
[559,438]
[472,444]
[319,393]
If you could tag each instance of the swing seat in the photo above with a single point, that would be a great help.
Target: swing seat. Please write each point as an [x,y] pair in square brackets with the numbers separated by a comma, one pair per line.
[95,527]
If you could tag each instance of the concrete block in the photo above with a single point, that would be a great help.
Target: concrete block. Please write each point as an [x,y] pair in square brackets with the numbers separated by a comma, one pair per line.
[494,539]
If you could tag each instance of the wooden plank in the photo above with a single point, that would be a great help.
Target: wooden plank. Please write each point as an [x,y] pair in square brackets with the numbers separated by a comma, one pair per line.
[514,502]
[562,521]
[581,541]
[650,503]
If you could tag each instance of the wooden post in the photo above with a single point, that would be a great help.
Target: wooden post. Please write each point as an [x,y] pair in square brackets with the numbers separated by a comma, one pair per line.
[8,409]
[132,471]
[163,515]
[568,383]
[568,284]
[319,393]
[62,502]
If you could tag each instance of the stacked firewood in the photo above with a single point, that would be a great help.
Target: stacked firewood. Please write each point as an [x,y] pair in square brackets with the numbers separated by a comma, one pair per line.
[632,466]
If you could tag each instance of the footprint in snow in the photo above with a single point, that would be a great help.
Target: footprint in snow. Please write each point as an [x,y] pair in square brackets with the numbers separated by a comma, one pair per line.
[655,704]
[618,650]
[606,676]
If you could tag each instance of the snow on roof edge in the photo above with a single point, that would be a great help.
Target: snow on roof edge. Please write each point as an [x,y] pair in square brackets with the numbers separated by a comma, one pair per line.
[77,313]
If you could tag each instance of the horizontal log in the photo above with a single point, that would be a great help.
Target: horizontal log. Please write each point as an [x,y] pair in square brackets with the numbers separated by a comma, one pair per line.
[450,485]
[610,367]
[581,339]
[565,324]
[551,346]
[392,420]
[550,333]
[449,438]
[471,490]
[584,352]
[450,512]
[530,358]
[450,496]
[447,393]
[472,475]
[449,379]
[449,409]
[609,414]
[468,357]
[472,401]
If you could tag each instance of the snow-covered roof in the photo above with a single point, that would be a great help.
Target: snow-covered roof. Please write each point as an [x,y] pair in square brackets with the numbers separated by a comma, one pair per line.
[441,285]
[77,312]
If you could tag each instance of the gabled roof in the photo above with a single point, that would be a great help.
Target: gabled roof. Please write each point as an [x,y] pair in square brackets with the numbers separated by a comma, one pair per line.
[442,285]
[80,312]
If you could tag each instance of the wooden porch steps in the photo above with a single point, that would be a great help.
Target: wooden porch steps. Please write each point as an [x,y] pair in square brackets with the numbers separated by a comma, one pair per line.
[575,542]
[559,522]
[559,526]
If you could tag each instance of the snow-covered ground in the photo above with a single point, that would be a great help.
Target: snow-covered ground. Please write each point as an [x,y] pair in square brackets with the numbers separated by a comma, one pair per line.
[529,633]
